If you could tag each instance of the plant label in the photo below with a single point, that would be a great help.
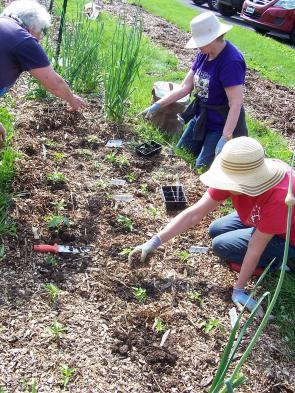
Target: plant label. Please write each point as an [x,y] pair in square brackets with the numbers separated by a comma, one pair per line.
[233,316]
[123,197]
[118,182]
[198,249]
[114,143]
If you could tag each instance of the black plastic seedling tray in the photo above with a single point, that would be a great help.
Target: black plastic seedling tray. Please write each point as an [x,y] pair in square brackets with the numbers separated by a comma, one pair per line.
[173,197]
[148,149]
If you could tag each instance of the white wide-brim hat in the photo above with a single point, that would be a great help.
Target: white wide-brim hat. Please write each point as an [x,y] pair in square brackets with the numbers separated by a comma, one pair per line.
[241,166]
[205,28]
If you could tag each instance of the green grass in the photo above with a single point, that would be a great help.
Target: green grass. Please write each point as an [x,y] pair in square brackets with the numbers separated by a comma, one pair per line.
[273,60]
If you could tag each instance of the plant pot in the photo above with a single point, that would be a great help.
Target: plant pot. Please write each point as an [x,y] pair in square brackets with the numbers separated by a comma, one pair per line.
[173,197]
[148,149]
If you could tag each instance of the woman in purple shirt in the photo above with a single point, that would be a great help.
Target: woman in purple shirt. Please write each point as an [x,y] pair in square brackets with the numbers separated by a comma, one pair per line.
[22,26]
[216,79]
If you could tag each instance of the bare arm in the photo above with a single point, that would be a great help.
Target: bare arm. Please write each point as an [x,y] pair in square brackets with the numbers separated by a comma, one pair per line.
[256,246]
[188,218]
[235,101]
[186,87]
[55,84]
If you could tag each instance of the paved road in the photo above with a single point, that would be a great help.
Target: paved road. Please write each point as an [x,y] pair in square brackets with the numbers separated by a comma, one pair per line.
[236,20]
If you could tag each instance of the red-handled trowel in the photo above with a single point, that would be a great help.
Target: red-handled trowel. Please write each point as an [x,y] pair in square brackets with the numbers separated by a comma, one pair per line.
[56,248]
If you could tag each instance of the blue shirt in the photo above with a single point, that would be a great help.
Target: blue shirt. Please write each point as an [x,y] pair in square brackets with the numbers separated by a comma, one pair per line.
[212,77]
[19,51]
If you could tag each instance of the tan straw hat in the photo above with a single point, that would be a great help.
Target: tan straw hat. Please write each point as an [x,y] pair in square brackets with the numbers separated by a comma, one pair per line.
[206,28]
[241,166]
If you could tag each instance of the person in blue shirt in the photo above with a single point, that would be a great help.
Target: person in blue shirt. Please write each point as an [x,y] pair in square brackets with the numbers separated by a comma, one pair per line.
[22,26]
[216,79]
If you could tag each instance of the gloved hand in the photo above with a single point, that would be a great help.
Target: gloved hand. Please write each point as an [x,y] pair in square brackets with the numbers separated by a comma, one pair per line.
[240,298]
[150,110]
[222,141]
[145,249]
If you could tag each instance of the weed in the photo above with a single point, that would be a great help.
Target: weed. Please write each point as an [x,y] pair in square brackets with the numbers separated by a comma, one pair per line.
[153,212]
[57,329]
[125,222]
[57,222]
[159,326]
[60,205]
[51,260]
[119,161]
[56,177]
[212,324]
[53,291]
[67,373]
[49,143]
[195,296]
[140,294]
[103,184]
[144,189]
[183,256]
[58,156]
[130,177]
[125,252]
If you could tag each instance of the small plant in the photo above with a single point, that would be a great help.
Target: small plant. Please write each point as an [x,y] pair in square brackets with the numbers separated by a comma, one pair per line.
[49,143]
[103,184]
[119,161]
[125,222]
[2,390]
[51,260]
[97,165]
[211,324]
[57,222]
[58,156]
[30,386]
[111,157]
[2,252]
[67,373]
[153,212]
[57,329]
[53,292]
[159,326]
[125,252]
[56,177]
[140,294]
[130,177]
[85,153]
[144,189]
[195,296]
[183,256]
[60,205]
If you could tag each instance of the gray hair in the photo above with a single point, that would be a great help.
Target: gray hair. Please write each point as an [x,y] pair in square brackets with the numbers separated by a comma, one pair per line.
[33,15]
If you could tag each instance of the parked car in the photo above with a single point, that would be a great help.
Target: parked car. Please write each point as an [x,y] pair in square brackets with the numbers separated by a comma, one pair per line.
[229,7]
[271,15]
[212,4]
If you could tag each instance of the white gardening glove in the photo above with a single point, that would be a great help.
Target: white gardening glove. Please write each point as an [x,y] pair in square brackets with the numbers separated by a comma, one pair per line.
[147,113]
[240,298]
[145,249]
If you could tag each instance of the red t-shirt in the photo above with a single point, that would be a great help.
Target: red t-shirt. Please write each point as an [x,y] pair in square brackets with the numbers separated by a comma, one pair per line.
[266,212]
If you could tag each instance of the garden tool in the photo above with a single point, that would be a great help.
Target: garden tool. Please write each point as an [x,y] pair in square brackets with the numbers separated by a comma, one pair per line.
[57,248]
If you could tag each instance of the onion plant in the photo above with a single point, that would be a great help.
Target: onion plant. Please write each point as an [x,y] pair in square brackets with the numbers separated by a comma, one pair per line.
[121,63]
[222,382]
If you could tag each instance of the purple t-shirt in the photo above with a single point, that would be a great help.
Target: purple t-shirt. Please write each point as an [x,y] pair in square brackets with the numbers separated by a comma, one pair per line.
[19,51]
[211,77]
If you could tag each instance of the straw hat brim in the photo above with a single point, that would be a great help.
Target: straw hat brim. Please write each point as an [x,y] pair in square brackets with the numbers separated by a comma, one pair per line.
[204,40]
[252,183]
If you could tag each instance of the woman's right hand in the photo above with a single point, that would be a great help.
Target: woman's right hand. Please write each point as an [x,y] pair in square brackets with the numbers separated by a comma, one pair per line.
[147,113]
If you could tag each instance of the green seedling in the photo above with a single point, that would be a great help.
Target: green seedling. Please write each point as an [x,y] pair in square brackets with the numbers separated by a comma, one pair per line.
[67,373]
[30,386]
[140,294]
[51,260]
[2,390]
[111,157]
[153,212]
[125,222]
[183,256]
[195,296]
[85,153]
[130,177]
[144,189]
[125,252]
[211,324]
[57,222]
[56,177]
[117,160]
[58,156]
[159,326]
[49,143]
[57,329]
[97,165]
[93,139]
[60,205]
[53,291]
[103,184]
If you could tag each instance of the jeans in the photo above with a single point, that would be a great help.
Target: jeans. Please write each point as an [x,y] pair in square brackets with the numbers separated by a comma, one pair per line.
[4,90]
[231,238]
[203,150]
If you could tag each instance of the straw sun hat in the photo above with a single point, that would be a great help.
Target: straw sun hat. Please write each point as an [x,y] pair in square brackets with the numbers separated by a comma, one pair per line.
[205,28]
[241,166]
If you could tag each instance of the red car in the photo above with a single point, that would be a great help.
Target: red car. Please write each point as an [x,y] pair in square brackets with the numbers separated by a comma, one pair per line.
[271,15]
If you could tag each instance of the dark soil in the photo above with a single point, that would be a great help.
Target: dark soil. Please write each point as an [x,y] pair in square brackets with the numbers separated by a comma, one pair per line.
[110,339]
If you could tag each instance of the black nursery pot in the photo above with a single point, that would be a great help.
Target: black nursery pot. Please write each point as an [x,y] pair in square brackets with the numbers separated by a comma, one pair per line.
[148,149]
[173,197]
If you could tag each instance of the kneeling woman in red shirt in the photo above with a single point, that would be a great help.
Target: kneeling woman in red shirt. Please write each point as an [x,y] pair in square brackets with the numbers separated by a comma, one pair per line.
[255,233]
